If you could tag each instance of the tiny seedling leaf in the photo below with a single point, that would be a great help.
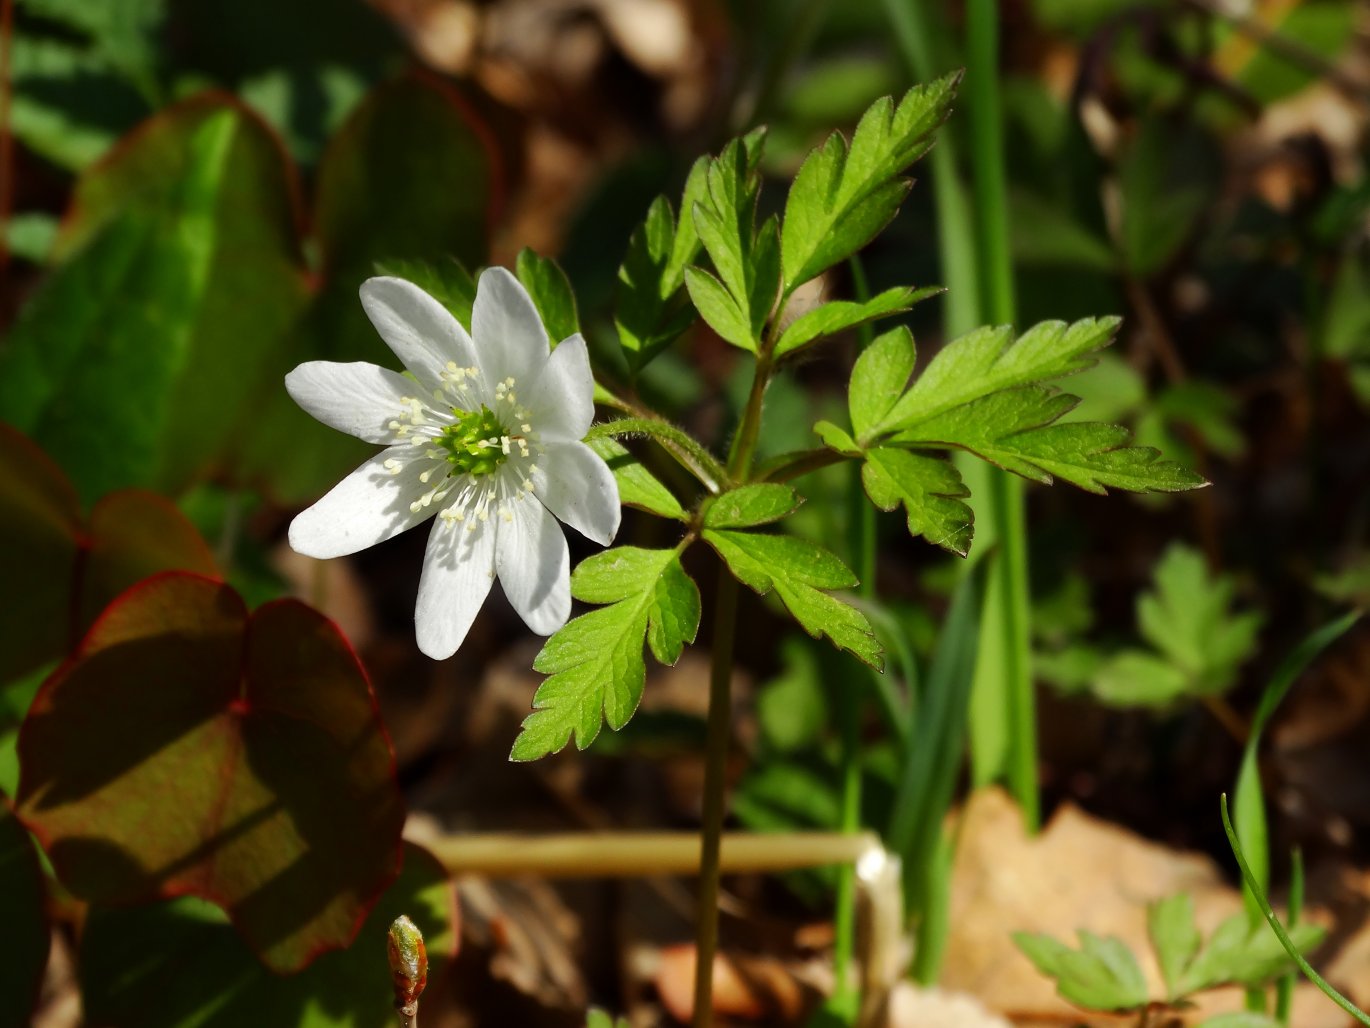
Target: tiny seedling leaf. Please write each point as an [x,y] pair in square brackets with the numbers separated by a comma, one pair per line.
[1101,975]
[1174,937]
[595,662]
[798,571]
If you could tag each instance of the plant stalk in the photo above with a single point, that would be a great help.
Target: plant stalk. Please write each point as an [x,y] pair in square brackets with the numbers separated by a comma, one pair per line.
[715,794]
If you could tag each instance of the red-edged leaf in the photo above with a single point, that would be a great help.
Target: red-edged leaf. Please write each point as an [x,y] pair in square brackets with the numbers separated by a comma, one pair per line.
[60,569]
[189,748]
[40,526]
[174,965]
[24,920]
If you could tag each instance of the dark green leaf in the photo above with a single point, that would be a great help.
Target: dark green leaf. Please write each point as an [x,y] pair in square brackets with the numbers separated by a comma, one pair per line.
[797,570]
[649,311]
[23,913]
[551,292]
[179,964]
[843,196]
[931,491]
[595,662]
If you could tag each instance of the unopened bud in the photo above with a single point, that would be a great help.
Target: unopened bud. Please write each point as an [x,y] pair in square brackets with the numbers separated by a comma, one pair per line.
[408,962]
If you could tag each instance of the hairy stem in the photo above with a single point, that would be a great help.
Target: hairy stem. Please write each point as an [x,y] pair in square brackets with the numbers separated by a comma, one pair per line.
[689,452]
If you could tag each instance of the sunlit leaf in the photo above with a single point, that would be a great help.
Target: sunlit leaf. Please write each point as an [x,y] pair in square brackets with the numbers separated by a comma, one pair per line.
[190,748]
[595,662]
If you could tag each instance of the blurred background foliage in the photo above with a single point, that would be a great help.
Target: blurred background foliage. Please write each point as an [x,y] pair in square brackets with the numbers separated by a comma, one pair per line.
[195,188]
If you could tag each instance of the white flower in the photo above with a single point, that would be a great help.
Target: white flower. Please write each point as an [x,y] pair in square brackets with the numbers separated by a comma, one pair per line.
[487,436]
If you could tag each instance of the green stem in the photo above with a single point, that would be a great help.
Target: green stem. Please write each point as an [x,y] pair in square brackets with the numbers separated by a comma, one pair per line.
[689,452]
[720,701]
[715,792]
[1008,618]
[793,465]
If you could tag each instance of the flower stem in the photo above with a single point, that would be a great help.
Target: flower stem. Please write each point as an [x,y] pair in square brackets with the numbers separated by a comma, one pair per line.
[715,793]
[689,452]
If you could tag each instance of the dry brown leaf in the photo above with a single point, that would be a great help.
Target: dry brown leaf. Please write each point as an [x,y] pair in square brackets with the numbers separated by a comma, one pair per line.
[746,988]
[1080,872]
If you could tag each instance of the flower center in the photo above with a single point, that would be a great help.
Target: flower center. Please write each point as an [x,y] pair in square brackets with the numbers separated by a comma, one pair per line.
[476,444]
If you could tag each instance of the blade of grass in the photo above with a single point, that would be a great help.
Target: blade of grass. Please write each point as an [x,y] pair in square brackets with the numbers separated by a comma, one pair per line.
[1284,988]
[928,776]
[1336,997]
[1248,800]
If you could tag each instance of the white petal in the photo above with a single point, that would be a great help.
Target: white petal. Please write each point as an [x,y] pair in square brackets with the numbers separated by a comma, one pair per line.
[367,507]
[421,331]
[510,339]
[533,566]
[578,487]
[458,570]
[360,399]
[562,405]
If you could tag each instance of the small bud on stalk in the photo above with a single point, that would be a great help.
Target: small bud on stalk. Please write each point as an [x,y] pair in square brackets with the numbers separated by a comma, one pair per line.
[408,967]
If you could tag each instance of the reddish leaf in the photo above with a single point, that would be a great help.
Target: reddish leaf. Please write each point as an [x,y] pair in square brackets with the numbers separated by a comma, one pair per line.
[40,524]
[189,748]
[24,921]
[60,570]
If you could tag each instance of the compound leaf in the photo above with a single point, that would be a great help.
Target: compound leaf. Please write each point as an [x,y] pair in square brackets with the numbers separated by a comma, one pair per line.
[595,662]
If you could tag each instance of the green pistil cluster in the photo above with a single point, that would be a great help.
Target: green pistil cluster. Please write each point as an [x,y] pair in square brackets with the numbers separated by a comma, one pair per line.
[476,444]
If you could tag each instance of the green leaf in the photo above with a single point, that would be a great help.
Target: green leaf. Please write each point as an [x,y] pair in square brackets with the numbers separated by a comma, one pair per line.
[839,315]
[1241,953]
[757,504]
[717,307]
[551,292]
[1167,180]
[446,281]
[931,491]
[878,379]
[835,438]
[988,360]
[1014,430]
[181,965]
[1101,975]
[1240,1019]
[134,362]
[1188,617]
[1174,937]
[842,196]
[192,748]
[649,310]
[596,1018]
[23,913]
[595,662]
[746,259]
[1138,678]
[637,487]
[797,569]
